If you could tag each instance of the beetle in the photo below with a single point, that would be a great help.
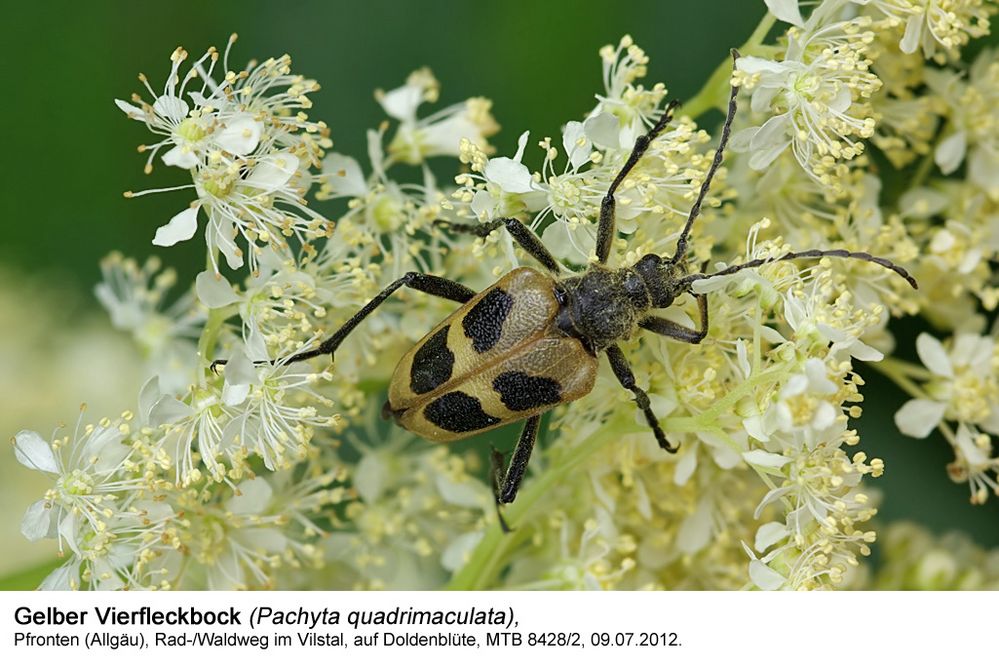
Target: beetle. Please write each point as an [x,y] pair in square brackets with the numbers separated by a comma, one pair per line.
[532,340]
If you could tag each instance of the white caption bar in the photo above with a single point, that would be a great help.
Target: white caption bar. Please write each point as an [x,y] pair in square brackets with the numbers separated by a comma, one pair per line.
[489,627]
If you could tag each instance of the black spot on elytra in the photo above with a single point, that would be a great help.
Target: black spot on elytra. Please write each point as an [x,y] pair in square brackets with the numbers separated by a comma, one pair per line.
[432,363]
[520,391]
[458,412]
[484,322]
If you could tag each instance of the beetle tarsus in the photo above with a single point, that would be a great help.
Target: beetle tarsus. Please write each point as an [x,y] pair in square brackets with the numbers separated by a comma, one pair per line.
[497,478]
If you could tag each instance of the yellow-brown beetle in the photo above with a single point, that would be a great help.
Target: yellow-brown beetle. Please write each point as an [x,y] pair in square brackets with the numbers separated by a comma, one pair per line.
[531,341]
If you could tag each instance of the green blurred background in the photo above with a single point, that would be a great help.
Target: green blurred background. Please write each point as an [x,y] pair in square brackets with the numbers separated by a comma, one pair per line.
[71,153]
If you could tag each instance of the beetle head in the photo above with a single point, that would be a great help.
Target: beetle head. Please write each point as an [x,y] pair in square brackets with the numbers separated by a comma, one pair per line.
[662,279]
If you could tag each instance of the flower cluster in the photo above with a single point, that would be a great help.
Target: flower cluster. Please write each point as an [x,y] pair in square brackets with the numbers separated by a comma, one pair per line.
[273,471]
[562,200]
[248,144]
[915,559]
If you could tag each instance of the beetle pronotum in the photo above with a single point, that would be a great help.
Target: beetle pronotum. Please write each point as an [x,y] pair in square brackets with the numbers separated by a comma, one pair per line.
[531,341]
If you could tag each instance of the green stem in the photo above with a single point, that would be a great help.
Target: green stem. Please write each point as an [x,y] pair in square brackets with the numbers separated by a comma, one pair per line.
[929,159]
[899,371]
[714,93]
[210,333]
[923,171]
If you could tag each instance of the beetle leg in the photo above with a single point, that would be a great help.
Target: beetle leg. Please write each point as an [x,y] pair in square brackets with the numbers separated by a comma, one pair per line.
[505,486]
[520,232]
[497,475]
[619,364]
[605,232]
[661,326]
[428,284]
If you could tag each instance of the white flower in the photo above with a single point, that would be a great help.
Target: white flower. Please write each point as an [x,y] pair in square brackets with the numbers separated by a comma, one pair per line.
[419,512]
[92,476]
[815,97]
[974,119]
[273,406]
[625,110]
[114,556]
[248,145]
[816,487]
[506,187]
[438,134]
[938,27]
[963,385]
[192,128]
[974,463]
[134,297]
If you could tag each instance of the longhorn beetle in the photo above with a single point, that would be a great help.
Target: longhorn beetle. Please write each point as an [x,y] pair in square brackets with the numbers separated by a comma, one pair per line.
[531,341]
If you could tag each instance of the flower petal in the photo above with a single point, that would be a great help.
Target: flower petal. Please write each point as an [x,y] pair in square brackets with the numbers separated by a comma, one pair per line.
[241,135]
[181,227]
[521,145]
[764,577]
[401,103]
[34,452]
[603,130]
[768,534]
[685,467]
[933,355]
[922,202]
[252,497]
[864,352]
[65,577]
[568,244]
[695,531]
[973,455]
[755,65]
[214,290]
[343,174]
[180,156]
[510,175]
[239,375]
[170,107]
[273,172]
[983,168]
[913,33]
[37,521]
[168,409]
[917,418]
[468,493]
[130,110]
[576,145]
[460,550]
[787,11]
[762,458]
[104,449]
[148,395]
[950,152]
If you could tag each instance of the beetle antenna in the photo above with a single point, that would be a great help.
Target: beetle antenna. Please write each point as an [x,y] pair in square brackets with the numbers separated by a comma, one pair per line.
[695,210]
[806,254]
